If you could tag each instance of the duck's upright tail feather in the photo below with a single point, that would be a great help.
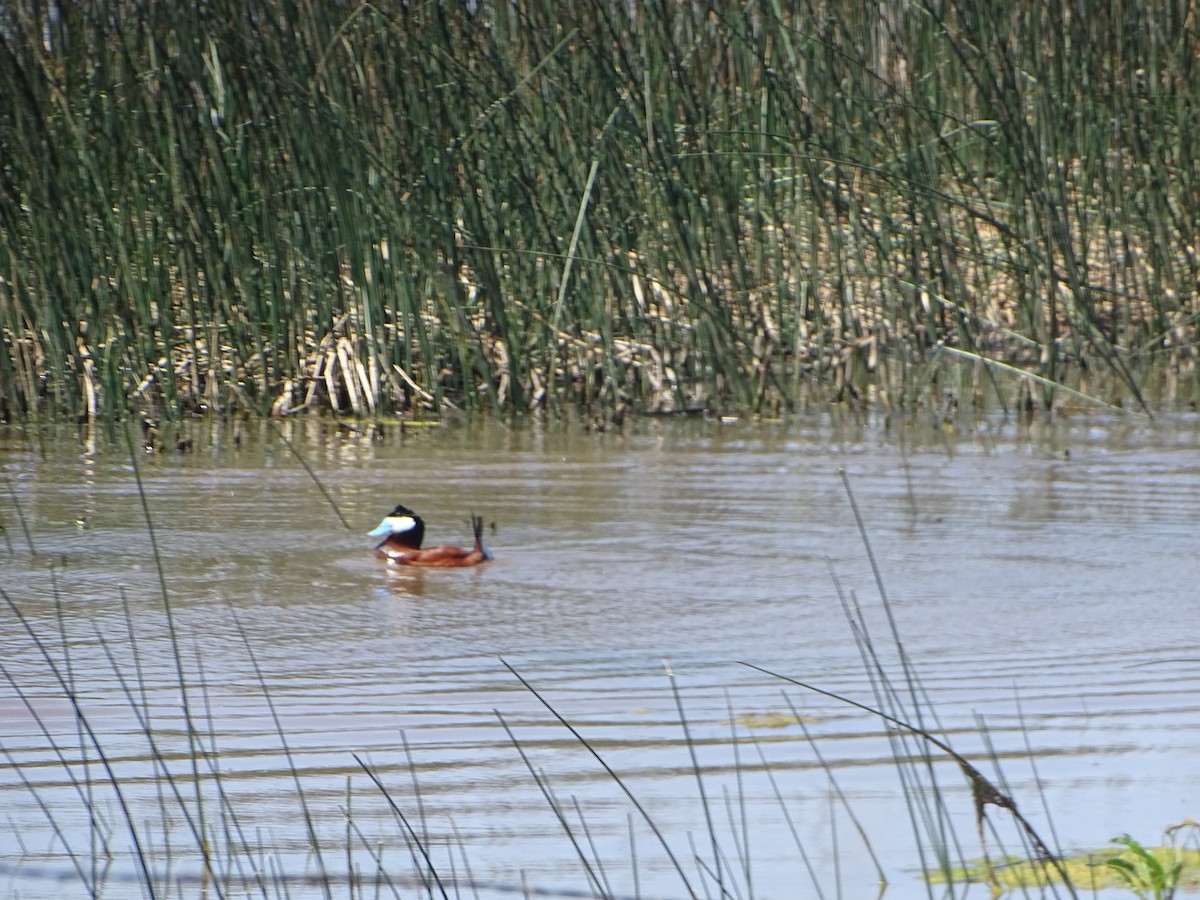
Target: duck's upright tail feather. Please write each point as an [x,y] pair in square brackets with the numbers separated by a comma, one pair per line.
[477,527]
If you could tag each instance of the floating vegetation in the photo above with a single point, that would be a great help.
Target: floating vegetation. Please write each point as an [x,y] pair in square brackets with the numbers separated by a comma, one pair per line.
[773,720]
[380,207]
[1148,872]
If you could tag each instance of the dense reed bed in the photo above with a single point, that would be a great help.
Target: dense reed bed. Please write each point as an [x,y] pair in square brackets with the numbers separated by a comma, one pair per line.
[377,207]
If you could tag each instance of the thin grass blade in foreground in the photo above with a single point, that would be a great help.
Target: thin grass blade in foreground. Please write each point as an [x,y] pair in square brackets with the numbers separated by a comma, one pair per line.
[612,774]
[310,829]
[415,838]
[93,739]
[592,872]
[718,868]
[839,794]
[983,792]
[186,706]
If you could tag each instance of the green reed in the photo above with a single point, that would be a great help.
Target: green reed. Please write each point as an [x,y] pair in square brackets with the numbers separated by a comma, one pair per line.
[379,207]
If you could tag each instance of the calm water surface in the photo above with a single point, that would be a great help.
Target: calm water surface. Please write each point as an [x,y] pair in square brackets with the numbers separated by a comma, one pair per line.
[1043,580]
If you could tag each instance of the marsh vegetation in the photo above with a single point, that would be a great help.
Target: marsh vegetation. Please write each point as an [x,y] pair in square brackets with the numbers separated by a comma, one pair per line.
[273,206]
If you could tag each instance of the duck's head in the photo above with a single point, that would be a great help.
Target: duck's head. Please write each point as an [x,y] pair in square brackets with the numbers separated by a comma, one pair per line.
[401,526]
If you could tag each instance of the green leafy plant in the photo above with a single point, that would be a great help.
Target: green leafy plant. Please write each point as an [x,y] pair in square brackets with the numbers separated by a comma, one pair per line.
[1148,872]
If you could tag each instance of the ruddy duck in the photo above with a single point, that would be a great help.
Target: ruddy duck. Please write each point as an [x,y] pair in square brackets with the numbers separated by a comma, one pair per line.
[404,532]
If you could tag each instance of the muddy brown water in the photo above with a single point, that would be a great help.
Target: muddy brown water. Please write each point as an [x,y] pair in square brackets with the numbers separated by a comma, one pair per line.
[1043,580]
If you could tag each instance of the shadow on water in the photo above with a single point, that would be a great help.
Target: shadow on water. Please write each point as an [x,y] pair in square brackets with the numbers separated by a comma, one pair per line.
[342,718]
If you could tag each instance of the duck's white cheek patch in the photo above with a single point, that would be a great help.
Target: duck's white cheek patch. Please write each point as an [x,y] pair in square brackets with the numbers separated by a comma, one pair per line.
[393,525]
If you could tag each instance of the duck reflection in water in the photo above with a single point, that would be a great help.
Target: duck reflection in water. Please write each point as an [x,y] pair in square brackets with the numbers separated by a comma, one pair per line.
[403,531]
